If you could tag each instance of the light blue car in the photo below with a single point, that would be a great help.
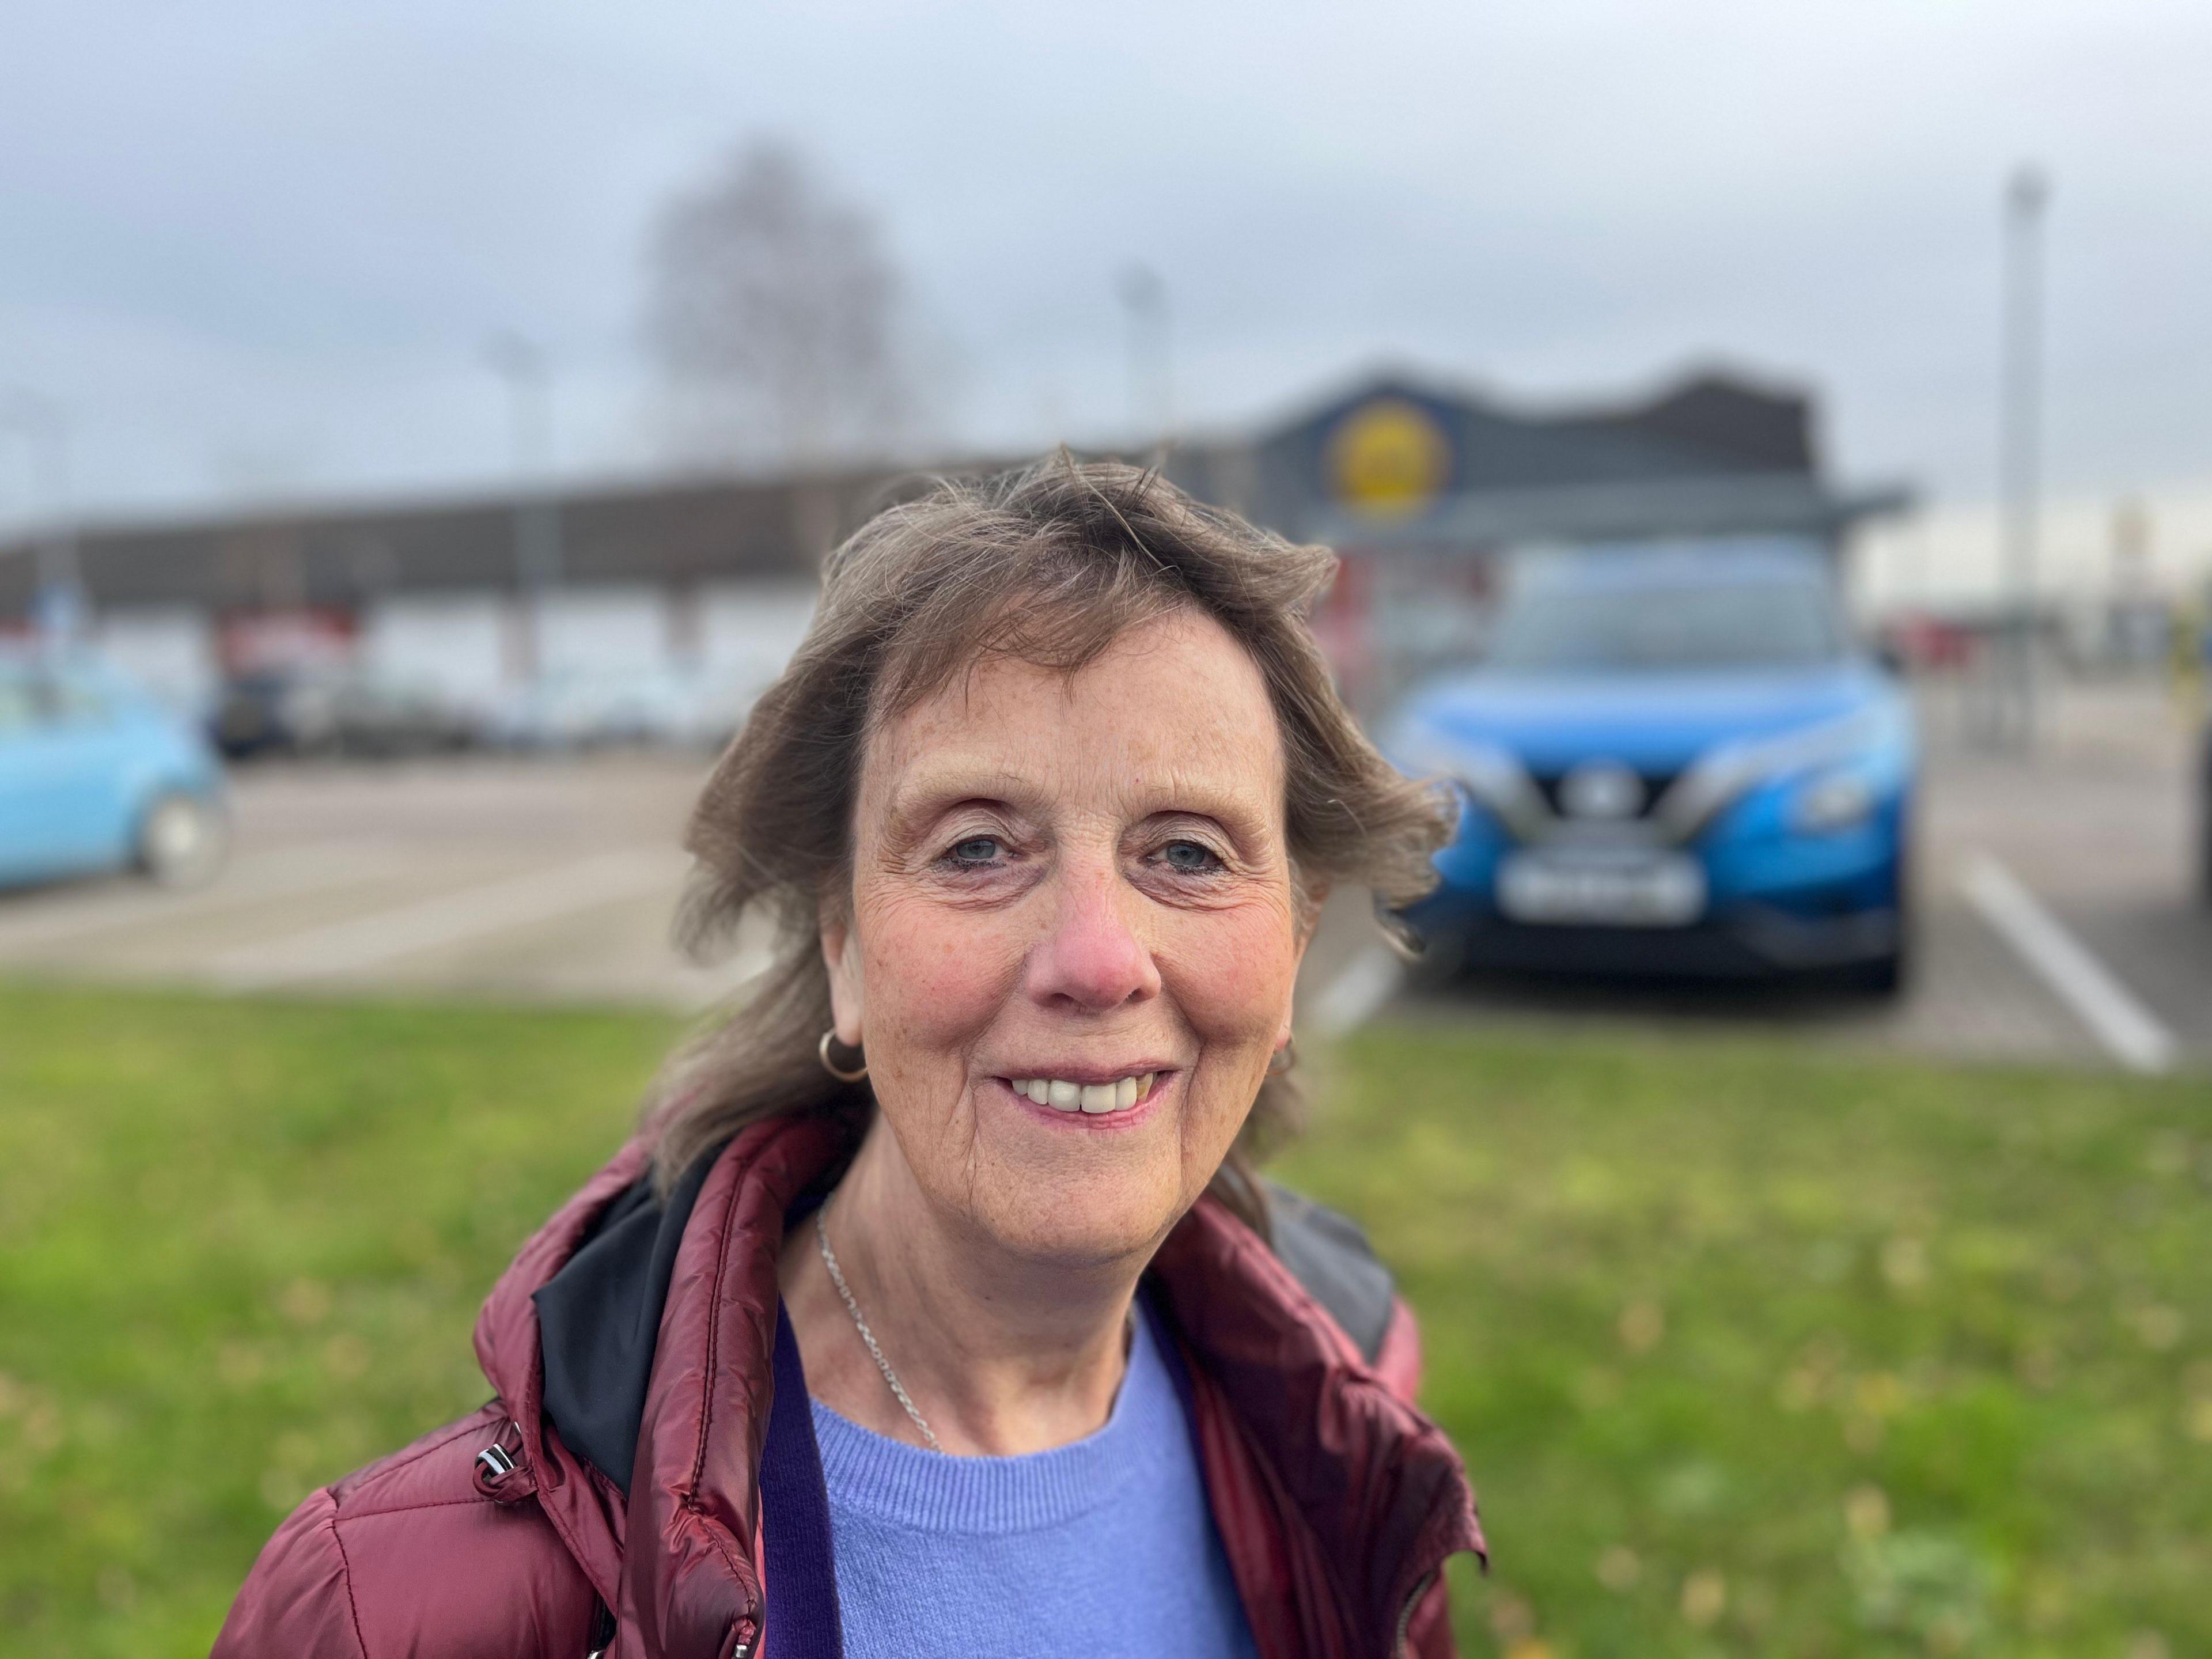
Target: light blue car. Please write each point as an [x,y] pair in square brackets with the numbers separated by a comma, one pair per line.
[1671,759]
[95,775]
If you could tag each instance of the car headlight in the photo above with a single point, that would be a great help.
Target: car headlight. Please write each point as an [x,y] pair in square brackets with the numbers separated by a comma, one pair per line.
[1833,801]
[1494,775]
[1726,773]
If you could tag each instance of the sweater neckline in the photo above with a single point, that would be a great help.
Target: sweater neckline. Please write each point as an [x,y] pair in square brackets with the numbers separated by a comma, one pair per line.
[889,1480]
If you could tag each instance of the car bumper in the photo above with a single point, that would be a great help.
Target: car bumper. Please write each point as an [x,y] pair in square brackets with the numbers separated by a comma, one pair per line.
[1747,942]
[1774,906]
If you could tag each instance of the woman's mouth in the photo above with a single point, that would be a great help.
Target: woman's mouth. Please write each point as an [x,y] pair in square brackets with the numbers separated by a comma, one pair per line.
[1094,1099]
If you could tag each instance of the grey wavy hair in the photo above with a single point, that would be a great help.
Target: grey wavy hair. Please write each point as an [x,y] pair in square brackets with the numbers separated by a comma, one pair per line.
[1049,564]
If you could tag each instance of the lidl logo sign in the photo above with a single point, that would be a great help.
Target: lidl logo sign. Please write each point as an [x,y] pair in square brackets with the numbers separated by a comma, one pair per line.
[1388,458]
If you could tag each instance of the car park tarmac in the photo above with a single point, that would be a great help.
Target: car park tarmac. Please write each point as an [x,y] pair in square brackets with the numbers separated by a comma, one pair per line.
[556,880]
[499,877]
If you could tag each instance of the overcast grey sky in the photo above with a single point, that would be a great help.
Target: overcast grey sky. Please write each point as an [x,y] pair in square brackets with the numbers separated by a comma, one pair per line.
[256,246]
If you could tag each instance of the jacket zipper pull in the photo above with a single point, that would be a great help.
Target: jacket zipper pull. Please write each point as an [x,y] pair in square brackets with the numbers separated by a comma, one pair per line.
[501,1475]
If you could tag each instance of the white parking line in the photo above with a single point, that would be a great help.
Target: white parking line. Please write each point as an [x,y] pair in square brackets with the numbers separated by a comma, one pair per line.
[284,873]
[1358,994]
[2130,1031]
[450,918]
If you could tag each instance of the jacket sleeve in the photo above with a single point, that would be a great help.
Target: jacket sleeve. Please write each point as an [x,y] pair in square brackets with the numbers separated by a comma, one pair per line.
[297,1603]
[410,1556]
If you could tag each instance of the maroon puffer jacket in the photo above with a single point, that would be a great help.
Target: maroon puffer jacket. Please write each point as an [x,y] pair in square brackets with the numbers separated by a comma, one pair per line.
[1337,1501]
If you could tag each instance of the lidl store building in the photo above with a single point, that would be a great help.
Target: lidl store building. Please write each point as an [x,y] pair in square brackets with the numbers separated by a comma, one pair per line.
[1425,490]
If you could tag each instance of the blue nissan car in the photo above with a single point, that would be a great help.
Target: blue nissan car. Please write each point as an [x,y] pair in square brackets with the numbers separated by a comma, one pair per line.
[1674,759]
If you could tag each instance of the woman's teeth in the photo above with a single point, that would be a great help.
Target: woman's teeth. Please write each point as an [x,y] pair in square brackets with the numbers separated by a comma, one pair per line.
[1092,1097]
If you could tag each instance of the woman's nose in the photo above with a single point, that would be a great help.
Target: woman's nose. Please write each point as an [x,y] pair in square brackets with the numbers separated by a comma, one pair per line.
[1092,958]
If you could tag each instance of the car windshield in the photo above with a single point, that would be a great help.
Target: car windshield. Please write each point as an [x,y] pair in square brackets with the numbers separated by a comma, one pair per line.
[1671,627]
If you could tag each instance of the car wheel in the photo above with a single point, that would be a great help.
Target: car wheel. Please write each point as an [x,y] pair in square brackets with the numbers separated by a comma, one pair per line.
[182,840]
[1883,977]
[1888,974]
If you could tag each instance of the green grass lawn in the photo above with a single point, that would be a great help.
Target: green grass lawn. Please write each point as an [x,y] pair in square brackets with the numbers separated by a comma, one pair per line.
[1752,1350]
[1755,1350]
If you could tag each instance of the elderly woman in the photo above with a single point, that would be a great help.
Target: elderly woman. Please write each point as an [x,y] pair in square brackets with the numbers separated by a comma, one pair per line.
[939,1309]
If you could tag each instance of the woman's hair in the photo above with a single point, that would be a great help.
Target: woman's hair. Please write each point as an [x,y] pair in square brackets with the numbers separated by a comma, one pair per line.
[1049,565]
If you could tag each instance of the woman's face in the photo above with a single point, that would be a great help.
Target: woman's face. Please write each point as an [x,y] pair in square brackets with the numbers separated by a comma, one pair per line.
[1080,885]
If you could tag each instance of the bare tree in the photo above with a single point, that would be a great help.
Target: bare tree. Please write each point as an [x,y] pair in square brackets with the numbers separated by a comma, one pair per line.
[775,317]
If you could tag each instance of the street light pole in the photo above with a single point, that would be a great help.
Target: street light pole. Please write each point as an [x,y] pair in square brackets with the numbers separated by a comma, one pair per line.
[2027,193]
[1143,296]
[59,601]
[521,365]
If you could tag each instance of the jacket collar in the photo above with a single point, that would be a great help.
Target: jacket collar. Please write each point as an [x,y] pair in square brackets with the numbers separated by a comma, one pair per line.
[582,1506]
[695,1589]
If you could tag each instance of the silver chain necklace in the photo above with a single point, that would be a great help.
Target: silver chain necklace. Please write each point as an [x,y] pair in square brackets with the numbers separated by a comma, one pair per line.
[837,1278]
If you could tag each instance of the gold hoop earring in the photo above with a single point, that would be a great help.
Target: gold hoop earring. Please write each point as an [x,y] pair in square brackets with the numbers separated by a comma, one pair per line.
[830,1066]
[1283,1058]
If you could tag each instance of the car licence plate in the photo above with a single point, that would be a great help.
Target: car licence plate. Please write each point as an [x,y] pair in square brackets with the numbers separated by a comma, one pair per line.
[1645,890]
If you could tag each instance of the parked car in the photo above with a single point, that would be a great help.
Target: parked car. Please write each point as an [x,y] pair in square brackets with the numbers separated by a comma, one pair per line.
[658,707]
[94,774]
[341,711]
[1672,760]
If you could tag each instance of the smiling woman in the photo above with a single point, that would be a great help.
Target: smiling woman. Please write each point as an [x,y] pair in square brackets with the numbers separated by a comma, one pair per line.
[1075,882]
[939,1307]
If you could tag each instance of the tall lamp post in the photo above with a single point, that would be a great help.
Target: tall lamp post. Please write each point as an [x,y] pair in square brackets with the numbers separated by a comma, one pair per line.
[521,365]
[2027,194]
[59,601]
[1143,296]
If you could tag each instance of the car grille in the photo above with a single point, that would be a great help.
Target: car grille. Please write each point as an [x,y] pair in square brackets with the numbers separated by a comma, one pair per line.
[1656,785]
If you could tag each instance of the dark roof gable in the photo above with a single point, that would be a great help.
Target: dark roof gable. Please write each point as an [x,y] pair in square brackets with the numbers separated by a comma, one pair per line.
[1742,428]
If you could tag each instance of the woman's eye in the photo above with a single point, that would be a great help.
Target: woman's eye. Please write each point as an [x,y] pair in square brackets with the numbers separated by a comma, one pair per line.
[975,853]
[1190,858]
